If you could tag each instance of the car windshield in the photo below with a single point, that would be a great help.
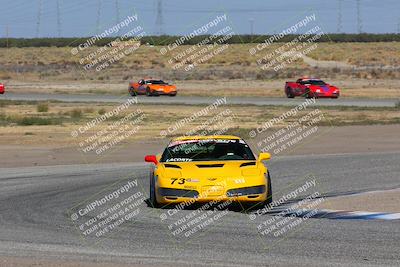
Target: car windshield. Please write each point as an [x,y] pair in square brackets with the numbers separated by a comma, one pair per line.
[155,82]
[207,150]
[314,82]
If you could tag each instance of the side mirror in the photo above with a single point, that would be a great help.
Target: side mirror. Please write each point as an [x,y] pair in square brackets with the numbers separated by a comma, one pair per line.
[151,158]
[264,156]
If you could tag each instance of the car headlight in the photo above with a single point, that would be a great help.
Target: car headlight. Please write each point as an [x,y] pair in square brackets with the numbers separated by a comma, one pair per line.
[318,91]
[244,191]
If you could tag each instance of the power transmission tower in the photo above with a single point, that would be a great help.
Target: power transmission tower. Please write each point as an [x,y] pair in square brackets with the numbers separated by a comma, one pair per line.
[398,26]
[7,34]
[159,19]
[39,17]
[251,21]
[98,16]
[117,13]
[359,21]
[58,19]
[339,23]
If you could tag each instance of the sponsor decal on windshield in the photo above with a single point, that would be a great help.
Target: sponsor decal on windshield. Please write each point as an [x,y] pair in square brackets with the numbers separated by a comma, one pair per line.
[225,141]
[179,159]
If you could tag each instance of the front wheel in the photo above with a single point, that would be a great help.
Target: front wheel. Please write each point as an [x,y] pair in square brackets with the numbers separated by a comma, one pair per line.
[268,201]
[290,93]
[309,95]
[132,91]
[269,191]
[153,199]
[148,92]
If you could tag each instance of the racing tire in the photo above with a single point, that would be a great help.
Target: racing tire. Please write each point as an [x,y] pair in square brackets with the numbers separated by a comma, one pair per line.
[290,93]
[148,92]
[172,95]
[132,91]
[269,191]
[152,198]
[309,96]
[268,201]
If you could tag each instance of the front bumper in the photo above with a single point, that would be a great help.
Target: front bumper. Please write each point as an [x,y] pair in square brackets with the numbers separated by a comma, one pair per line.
[164,92]
[329,95]
[245,194]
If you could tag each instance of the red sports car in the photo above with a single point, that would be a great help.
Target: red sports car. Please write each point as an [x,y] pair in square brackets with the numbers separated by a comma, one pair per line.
[2,88]
[311,87]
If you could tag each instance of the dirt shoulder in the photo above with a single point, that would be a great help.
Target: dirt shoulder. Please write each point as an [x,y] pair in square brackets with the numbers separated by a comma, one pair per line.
[346,139]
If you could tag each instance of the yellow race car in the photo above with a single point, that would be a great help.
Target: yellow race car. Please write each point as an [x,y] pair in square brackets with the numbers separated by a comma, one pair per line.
[208,168]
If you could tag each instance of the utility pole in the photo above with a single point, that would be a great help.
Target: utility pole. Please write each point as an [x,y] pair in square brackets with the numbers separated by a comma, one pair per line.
[39,17]
[159,19]
[58,19]
[339,23]
[359,20]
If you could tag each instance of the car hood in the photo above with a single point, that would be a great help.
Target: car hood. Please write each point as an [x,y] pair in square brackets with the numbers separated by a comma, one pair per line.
[212,170]
[162,86]
[323,88]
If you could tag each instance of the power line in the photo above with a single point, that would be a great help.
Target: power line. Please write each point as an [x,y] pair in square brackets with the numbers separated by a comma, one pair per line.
[159,19]
[22,17]
[39,16]
[339,22]
[359,21]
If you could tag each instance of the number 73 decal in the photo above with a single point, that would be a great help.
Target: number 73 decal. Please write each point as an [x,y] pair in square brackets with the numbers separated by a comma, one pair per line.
[180,180]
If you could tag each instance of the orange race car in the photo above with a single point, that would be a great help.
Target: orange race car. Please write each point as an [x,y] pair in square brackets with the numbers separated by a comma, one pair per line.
[151,87]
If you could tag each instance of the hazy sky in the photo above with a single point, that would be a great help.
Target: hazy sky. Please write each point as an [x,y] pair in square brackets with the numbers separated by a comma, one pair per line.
[85,18]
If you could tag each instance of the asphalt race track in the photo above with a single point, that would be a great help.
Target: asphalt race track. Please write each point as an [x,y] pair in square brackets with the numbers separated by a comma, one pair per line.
[196,100]
[35,218]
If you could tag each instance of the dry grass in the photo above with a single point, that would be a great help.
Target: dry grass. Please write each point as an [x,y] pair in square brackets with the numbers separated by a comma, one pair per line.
[360,54]
[58,64]
[233,72]
[245,119]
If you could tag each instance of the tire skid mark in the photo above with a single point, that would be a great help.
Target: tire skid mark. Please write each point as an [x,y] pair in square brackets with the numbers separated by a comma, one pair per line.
[340,214]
